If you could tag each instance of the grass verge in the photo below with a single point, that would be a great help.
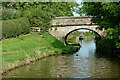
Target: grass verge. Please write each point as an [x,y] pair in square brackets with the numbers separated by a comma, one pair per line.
[25,49]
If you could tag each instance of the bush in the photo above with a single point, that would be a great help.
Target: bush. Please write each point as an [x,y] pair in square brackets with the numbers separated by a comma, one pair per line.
[38,18]
[106,48]
[15,27]
[35,22]
[10,14]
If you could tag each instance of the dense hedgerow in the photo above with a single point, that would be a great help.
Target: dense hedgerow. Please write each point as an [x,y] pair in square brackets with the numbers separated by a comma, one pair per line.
[39,14]
[15,27]
[10,14]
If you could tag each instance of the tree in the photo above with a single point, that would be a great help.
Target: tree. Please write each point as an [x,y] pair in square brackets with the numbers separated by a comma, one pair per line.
[41,13]
[106,15]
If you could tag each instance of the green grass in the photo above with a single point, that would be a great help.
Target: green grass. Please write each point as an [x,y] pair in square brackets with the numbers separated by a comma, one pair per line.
[30,47]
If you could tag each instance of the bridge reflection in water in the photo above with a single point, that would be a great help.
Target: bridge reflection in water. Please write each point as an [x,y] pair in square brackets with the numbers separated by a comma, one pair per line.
[83,65]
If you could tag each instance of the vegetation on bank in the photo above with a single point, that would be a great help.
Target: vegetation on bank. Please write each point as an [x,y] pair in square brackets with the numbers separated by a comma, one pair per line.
[106,15]
[15,27]
[17,18]
[107,47]
[39,14]
[28,48]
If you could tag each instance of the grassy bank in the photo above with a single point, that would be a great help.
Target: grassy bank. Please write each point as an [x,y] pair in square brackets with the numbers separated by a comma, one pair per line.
[25,49]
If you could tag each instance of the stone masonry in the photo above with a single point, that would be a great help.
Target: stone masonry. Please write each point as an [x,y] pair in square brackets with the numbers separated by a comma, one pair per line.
[70,24]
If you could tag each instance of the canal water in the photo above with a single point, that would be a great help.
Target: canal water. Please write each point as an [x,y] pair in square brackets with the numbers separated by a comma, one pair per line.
[83,64]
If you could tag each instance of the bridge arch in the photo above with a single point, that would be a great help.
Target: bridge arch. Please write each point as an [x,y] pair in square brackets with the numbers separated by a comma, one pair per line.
[63,26]
[80,29]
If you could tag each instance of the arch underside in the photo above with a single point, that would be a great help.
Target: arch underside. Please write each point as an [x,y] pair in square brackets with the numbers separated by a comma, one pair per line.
[67,25]
[76,30]
[61,33]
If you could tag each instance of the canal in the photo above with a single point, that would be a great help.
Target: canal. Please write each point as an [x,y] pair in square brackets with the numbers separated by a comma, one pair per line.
[83,64]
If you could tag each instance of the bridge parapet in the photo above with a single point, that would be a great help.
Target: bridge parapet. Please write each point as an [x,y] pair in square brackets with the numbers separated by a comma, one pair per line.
[72,21]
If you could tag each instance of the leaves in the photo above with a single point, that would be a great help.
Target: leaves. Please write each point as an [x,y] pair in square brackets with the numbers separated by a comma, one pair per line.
[16,27]
[10,14]
[106,15]
[41,13]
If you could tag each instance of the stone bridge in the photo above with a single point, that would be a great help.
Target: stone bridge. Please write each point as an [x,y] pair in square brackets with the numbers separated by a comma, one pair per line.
[63,26]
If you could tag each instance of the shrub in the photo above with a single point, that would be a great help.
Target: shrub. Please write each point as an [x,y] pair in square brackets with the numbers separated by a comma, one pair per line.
[10,14]
[38,18]
[35,22]
[15,27]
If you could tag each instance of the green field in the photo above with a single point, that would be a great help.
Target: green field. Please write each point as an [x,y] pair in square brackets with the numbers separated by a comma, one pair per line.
[24,49]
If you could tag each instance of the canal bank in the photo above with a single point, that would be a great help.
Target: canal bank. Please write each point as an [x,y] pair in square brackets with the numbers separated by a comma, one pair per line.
[24,50]
[108,47]
[82,64]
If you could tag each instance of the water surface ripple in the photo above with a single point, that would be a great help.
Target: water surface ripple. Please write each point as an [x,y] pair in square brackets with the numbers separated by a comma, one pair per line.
[82,64]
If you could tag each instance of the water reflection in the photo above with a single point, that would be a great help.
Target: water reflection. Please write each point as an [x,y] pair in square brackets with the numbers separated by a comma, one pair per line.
[85,65]
[87,49]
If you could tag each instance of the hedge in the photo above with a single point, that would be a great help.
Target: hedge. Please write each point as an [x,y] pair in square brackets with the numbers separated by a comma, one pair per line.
[15,27]
[10,14]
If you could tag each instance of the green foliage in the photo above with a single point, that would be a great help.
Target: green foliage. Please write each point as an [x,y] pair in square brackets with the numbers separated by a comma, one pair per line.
[107,15]
[36,22]
[10,14]
[59,7]
[114,34]
[107,46]
[38,18]
[41,13]
[15,27]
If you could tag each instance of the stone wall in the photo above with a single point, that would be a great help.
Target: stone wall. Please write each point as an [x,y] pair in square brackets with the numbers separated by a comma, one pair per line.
[68,21]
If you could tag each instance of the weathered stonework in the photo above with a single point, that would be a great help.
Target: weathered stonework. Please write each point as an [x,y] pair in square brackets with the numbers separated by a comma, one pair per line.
[69,21]
[72,24]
